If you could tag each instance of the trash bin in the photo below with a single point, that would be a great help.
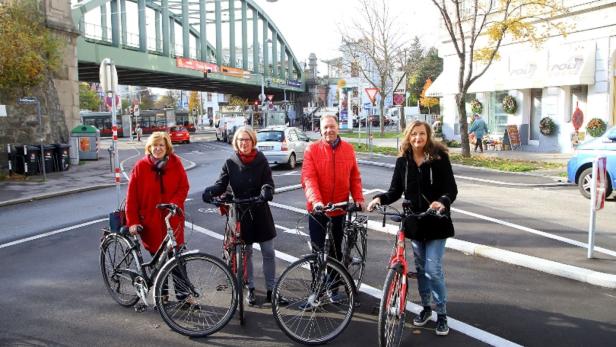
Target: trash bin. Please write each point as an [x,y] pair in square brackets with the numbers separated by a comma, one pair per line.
[88,137]
[61,156]
[48,157]
[27,160]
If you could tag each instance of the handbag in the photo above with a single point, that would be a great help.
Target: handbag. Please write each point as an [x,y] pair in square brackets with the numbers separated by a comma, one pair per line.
[117,218]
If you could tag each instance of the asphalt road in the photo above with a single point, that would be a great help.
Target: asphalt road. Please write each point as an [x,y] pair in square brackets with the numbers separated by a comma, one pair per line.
[56,295]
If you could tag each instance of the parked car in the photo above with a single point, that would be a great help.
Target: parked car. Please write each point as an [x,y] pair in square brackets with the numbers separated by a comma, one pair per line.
[179,134]
[225,127]
[282,145]
[579,167]
[374,120]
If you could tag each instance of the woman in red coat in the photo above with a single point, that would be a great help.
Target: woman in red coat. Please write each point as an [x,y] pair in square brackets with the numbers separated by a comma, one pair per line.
[158,177]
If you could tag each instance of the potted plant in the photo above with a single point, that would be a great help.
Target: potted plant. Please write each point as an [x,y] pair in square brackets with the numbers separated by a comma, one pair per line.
[509,104]
[547,126]
[596,127]
[476,106]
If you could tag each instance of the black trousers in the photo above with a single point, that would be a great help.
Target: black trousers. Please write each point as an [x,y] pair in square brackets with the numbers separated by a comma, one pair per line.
[317,226]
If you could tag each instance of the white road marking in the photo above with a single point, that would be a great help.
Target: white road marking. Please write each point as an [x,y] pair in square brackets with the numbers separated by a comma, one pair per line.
[454,324]
[40,236]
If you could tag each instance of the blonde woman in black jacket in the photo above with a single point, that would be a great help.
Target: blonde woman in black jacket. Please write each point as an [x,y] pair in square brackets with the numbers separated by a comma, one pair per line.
[423,174]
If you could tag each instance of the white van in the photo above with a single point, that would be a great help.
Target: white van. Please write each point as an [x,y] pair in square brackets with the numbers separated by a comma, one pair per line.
[225,127]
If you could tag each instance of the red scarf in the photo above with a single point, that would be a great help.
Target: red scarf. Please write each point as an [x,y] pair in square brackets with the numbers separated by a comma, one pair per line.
[247,158]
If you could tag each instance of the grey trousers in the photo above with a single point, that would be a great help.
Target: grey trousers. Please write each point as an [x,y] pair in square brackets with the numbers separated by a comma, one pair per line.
[269,264]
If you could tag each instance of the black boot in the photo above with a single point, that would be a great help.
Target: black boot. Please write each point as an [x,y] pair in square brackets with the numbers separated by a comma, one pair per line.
[441,325]
[251,298]
[423,317]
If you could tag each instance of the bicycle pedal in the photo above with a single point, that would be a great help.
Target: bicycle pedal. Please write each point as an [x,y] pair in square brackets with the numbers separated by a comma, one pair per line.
[411,274]
[139,308]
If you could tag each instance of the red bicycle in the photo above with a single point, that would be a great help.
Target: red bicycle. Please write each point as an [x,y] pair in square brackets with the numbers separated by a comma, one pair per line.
[234,250]
[392,310]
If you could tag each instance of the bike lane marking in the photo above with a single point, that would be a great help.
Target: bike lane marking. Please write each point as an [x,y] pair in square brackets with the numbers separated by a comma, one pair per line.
[454,324]
[40,236]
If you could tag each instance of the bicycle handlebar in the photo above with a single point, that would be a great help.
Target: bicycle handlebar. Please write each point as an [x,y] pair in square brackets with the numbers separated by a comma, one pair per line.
[345,206]
[382,209]
[229,199]
[172,208]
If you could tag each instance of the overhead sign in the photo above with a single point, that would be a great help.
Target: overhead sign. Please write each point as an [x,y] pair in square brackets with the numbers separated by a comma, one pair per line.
[193,64]
[372,94]
[234,72]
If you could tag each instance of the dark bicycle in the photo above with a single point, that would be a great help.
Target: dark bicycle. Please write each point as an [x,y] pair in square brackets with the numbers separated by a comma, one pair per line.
[194,292]
[319,291]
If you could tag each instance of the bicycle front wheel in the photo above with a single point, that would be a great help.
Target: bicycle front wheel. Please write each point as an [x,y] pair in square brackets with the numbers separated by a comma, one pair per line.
[392,310]
[119,266]
[354,252]
[320,299]
[195,294]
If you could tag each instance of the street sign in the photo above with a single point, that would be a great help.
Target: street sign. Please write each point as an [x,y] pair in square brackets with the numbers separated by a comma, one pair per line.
[372,94]
[108,76]
[136,110]
[118,102]
[270,97]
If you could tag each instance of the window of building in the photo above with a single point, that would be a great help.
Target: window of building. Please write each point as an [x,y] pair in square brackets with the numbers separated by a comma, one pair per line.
[579,97]
[209,96]
[497,117]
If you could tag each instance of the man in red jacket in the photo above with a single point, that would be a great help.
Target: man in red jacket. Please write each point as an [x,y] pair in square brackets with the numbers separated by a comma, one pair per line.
[329,175]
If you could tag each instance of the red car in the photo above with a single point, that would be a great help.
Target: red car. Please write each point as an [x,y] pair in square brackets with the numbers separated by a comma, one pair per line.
[179,134]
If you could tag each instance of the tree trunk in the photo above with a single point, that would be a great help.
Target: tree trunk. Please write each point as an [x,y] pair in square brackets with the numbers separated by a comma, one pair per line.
[402,119]
[466,149]
[382,116]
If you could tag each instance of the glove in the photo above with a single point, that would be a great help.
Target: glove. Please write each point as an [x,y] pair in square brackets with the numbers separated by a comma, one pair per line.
[267,192]
[206,196]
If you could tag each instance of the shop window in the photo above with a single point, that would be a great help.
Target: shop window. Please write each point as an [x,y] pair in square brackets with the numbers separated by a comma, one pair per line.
[579,96]
[497,117]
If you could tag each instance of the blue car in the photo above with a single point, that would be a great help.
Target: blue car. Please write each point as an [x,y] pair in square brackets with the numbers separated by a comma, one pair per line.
[579,168]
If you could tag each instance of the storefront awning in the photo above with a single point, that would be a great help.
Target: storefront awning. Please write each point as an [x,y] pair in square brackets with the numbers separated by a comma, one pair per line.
[562,66]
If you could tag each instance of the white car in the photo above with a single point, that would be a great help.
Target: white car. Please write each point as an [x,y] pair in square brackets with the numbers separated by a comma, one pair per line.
[225,128]
[282,145]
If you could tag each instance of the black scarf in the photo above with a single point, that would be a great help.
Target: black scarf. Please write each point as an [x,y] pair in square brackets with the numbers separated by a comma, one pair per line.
[159,166]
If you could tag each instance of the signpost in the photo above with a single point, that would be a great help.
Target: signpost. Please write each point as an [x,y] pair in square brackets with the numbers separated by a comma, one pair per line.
[372,92]
[109,82]
[597,198]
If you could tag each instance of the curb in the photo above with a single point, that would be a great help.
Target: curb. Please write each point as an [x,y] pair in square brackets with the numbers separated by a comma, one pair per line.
[510,184]
[191,165]
[576,273]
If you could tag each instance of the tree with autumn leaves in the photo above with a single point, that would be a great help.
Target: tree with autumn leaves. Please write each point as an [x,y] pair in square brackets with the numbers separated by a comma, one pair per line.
[427,101]
[29,52]
[477,29]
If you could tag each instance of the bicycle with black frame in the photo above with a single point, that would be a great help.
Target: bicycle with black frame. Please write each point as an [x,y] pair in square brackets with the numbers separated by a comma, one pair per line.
[194,292]
[319,291]
[392,309]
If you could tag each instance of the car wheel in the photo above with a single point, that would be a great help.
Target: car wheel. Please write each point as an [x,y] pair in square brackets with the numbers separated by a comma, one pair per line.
[585,181]
[292,161]
[188,141]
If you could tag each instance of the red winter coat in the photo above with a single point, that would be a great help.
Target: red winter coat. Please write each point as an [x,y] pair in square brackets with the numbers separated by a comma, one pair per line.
[145,192]
[330,175]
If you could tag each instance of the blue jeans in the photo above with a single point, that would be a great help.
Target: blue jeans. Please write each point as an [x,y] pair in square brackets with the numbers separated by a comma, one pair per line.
[430,276]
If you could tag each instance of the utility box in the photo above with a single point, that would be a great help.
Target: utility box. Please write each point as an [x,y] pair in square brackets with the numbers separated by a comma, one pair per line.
[87,141]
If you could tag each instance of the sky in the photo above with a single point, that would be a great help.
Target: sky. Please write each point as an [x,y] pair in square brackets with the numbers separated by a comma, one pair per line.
[312,26]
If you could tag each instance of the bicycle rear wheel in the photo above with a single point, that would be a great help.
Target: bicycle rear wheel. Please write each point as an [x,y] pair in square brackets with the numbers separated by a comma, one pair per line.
[354,251]
[119,266]
[195,294]
[320,298]
[392,310]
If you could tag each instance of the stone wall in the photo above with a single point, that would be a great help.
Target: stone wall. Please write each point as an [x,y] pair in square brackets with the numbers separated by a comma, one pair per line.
[58,93]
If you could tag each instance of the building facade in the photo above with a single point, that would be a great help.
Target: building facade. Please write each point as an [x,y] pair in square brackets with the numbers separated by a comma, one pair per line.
[566,72]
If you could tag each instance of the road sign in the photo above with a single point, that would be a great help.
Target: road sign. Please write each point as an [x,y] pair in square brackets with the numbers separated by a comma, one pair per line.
[270,97]
[117,101]
[372,94]
[136,110]
[108,76]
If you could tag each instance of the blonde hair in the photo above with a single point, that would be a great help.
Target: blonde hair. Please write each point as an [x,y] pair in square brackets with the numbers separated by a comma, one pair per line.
[431,148]
[244,129]
[159,136]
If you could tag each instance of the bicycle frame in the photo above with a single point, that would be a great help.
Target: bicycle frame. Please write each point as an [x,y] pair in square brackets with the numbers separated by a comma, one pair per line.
[232,240]
[398,263]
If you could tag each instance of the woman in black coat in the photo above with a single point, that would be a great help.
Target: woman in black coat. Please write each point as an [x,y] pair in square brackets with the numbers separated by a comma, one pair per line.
[247,171]
[423,173]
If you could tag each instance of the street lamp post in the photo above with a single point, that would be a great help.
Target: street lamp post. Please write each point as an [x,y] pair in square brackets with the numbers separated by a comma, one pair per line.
[33,100]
